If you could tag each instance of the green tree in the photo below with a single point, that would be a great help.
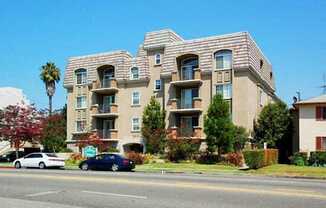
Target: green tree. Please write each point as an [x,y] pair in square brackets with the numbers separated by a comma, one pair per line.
[53,136]
[272,124]
[241,136]
[153,127]
[218,126]
[50,74]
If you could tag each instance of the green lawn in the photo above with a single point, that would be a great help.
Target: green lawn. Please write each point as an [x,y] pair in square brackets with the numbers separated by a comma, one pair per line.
[187,167]
[273,170]
[291,171]
[5,164]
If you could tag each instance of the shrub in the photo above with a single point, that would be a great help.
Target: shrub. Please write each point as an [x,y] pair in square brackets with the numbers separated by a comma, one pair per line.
[149,158]
[138,158]
[181,149]
[317,158]
[299,158]
[207,158]
[270,157]
[75,158]
[234,158]
[254,158]
[112,149]
[66,150]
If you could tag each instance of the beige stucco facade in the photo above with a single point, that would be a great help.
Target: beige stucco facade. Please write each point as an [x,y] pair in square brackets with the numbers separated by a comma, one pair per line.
[185,94]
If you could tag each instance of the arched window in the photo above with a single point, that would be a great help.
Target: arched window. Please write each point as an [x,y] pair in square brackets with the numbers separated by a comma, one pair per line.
[223,59]
[157,59]
[134,73]
[81,76]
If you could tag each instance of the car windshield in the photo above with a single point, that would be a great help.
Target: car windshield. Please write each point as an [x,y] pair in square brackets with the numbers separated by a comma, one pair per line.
[51,155]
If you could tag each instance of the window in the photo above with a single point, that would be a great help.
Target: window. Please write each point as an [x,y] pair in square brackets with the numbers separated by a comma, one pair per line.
[223,59]
[81,102]
[135,124]
[135,98]
[261,99]
[81,76]
[261,64]
[225,90]
[321,113]
[157,85]
[157,59]
[81,126]
[134,73]
[320,143]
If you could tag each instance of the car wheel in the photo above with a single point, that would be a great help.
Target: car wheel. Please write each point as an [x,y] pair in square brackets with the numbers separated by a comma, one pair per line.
[17,165]
[84,166]
[115,167]
[41,165]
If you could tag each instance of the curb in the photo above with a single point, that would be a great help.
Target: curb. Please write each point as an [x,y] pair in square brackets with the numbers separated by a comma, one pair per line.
[6,167]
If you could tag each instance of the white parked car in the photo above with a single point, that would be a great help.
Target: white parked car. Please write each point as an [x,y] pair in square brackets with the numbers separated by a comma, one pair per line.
[40,160]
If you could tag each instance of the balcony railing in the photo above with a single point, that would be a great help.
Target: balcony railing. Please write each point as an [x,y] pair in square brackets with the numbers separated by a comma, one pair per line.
[194,132]
[104,109]
[107,134]
[105,86]
[186,75]
[178,103]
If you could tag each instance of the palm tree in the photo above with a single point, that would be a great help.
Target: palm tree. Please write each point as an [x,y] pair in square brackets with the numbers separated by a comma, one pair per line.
[50,74]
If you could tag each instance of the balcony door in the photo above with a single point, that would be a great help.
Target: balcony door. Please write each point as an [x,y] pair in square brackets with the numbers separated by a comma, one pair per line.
[107,126]
[186,126]
[107,101]
[187,68]
[187,96]
[108,74]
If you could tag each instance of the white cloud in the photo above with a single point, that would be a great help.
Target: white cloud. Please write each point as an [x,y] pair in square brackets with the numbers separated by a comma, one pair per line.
[11,96]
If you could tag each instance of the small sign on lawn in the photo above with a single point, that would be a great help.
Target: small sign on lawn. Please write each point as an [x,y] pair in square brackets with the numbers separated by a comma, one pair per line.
[89,151]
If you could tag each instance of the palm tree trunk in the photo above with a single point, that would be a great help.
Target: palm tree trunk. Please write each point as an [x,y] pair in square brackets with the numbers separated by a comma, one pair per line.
[50,105]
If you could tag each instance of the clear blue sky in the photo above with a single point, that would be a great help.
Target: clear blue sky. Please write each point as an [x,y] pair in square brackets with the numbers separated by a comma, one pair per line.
[292,34]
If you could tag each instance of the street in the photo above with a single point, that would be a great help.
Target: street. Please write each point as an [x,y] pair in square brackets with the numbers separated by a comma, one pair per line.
[62,188]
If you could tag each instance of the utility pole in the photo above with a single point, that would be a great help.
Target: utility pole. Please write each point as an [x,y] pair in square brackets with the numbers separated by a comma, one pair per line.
[324,84]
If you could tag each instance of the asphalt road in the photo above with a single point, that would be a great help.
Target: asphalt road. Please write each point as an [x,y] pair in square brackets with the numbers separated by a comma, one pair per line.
[30,188]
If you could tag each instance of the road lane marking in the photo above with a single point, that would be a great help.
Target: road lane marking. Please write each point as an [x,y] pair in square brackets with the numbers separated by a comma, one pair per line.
[192,185]
[42,193]
[114,194]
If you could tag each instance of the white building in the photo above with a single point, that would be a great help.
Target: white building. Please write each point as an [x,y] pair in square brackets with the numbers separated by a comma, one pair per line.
[312,124]
[10,96]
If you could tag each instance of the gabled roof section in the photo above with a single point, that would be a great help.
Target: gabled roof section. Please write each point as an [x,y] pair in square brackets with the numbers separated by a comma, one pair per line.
[315,100]
[159,39]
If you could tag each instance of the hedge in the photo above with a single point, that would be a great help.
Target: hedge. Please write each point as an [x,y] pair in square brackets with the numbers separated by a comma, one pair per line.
[317,158]
[259,158]
[299,159]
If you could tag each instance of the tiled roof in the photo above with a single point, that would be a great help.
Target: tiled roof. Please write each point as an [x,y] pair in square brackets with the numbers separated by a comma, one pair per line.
[314,100]
[246,54]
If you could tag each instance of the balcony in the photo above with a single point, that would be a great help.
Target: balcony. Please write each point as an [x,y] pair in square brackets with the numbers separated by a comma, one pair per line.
[186,78]
[104,111]
[182,107]
[107,135]
[196,132]
[105,86]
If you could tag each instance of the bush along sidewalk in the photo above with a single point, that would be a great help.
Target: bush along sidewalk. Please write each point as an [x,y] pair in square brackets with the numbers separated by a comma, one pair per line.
[255,159]
[317,159]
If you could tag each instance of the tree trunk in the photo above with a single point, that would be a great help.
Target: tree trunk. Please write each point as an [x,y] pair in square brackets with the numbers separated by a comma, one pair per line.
[17,154]
[50,105]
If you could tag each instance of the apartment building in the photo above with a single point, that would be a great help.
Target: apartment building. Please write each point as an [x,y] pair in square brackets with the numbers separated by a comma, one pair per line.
[107,92]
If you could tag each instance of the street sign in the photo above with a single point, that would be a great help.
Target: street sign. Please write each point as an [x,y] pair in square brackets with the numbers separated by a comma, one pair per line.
[89,151]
